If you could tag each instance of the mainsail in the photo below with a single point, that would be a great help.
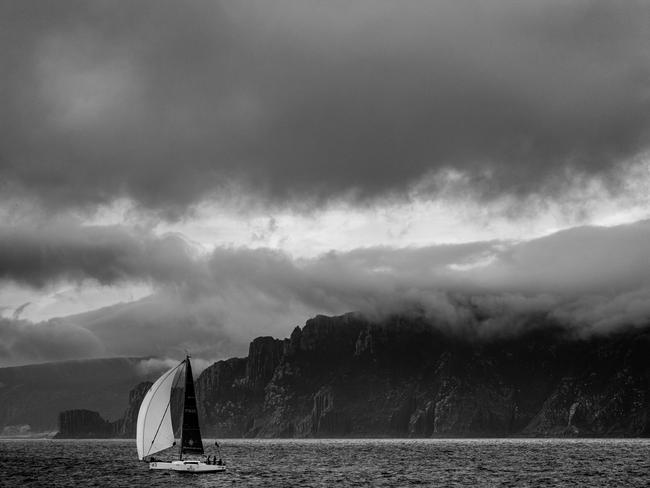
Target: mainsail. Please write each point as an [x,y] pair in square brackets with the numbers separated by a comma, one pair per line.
[191,442]
[154,431]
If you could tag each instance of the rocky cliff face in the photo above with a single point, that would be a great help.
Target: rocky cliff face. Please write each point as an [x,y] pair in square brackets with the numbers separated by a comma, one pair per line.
[344,376]
[126,425]
[264,355]
[223,396]
[83,423]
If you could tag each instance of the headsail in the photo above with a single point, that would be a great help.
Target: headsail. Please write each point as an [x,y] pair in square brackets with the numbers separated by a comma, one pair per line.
[191,442]
[154,431]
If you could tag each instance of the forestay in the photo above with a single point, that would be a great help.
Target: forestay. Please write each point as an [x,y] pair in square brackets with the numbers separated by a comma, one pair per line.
[154,430]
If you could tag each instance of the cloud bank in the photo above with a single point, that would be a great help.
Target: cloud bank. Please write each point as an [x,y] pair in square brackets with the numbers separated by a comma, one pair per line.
[66,252]
[168,104]
[590,279]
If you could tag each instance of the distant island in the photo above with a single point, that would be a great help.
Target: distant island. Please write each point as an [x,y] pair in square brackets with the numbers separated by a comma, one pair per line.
[404,377]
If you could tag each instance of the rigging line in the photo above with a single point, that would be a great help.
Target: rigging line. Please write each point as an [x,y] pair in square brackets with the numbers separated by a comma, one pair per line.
[170,399]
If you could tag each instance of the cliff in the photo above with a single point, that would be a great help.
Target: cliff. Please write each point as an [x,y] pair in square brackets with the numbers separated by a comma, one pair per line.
[126,425]
[84,424]
[347,377]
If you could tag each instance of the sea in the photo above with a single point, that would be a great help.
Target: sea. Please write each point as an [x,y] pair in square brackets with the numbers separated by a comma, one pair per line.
[338,462]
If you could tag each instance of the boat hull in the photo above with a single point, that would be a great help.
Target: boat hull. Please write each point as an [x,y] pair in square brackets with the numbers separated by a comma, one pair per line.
[187,466]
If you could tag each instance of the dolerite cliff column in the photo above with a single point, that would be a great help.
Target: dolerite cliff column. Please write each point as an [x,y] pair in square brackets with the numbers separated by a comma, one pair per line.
[126,426]
[82,424]
[264,355]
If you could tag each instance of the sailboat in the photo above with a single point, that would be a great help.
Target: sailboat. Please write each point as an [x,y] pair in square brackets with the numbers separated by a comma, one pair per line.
[155,432]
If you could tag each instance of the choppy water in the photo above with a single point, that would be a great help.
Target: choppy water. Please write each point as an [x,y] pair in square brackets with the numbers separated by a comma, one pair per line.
[320,463]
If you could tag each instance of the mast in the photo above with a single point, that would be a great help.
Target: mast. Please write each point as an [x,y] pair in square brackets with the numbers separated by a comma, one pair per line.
[191,442]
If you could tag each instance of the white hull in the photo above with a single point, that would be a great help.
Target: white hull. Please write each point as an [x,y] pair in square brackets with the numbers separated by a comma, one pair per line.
[187,466]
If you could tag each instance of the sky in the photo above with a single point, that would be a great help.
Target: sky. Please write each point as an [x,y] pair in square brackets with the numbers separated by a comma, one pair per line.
[190,175]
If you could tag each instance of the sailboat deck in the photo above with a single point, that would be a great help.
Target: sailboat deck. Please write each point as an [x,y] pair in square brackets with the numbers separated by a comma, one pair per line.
[187,466]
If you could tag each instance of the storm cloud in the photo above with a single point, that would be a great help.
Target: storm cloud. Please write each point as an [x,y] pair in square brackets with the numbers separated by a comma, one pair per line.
[591,279]
[237,122]
[66,252]
[169,103]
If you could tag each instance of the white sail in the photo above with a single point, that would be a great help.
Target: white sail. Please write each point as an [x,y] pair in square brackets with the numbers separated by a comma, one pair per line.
[154,432]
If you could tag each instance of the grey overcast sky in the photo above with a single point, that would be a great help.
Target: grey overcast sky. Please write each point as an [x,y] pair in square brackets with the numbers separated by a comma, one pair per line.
[212,171]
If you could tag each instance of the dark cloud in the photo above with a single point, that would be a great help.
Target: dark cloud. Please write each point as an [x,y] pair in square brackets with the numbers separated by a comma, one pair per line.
[37,256]
[592,279]
[168,103]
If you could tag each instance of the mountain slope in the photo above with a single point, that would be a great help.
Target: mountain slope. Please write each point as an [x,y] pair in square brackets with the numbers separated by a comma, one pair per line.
[34,395]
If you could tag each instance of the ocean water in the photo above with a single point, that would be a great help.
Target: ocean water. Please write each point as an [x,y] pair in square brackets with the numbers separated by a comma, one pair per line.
[324,463]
